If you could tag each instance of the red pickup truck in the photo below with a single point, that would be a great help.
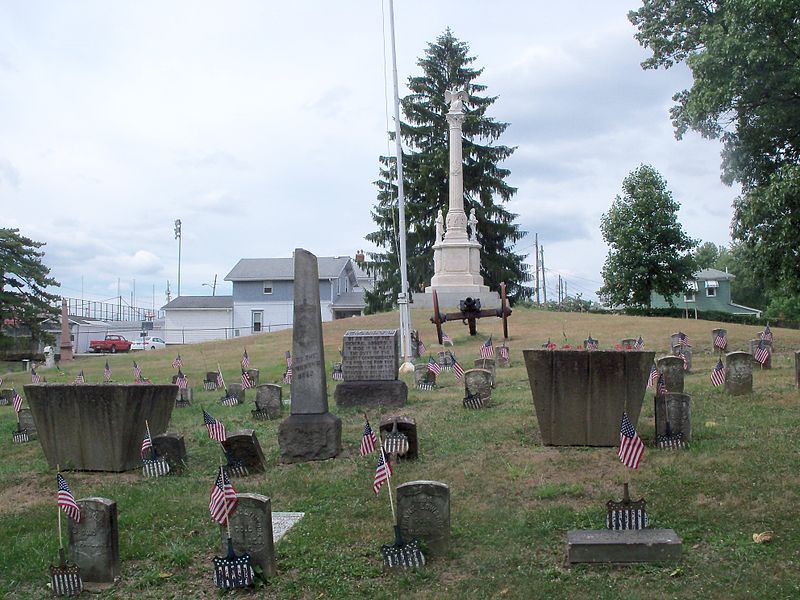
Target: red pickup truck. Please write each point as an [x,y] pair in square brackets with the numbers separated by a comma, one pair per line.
[112,343]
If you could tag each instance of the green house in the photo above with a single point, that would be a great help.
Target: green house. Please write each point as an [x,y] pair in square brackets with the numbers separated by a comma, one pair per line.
[709,290]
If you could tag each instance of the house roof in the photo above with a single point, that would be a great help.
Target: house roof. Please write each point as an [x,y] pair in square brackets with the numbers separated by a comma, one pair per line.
[270,269]
[715,274]
[350,300]
[187,302]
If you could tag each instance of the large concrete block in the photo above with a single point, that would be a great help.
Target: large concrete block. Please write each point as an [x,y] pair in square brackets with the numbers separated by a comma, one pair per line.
[625,546]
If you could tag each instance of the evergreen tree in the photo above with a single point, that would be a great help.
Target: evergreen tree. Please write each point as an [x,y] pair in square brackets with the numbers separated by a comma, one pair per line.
[424,130]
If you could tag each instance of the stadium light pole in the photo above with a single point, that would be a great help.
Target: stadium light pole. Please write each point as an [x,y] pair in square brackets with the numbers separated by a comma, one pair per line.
[178,237]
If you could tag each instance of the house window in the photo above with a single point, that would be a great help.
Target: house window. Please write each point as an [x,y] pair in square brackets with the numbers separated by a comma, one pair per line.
[258,320]
[267,287]
[711,288]
[690,294]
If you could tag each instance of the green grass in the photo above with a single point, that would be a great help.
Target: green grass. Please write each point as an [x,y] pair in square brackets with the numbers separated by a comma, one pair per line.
[512,499]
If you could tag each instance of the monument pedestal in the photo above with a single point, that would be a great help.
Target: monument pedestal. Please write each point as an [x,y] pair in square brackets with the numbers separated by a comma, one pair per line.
[449,298]
[310,437]
[371,393]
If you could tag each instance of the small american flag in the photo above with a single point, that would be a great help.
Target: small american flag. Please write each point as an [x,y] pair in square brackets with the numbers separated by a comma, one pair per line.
[182,380]
[718,374]
[487,350]
[591,343]
[458,370]
[766,335]
[382,473]
[549,345]
[446,339]
[34,376]
[246,381]
[653,378]
[66,501]
[17,401]
[177,363]
[79,378]
[107,372]
[216,430]
[137,372]
[245,360]
[720,341]
[683,339]
[631,447]
[638,344]
[220,381]
[223,498]
[503,352]
[421,349]
[661,386]
[287,377]
[762,353]
[682,356]
[368,439]
[147,443]
[434,366]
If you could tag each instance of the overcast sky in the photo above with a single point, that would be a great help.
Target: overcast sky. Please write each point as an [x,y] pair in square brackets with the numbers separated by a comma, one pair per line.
[259,125]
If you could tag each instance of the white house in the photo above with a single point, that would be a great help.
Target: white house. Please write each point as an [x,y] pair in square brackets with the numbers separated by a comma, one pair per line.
[189,319]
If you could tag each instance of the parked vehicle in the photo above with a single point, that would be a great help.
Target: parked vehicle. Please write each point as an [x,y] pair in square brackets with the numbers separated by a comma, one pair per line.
[112,343]
[149,343]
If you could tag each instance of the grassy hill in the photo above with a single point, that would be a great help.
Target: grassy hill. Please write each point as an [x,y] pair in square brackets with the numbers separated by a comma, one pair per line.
[512,499]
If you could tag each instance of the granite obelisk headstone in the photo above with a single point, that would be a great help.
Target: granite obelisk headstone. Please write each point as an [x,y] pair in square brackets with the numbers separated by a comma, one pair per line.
[310,432]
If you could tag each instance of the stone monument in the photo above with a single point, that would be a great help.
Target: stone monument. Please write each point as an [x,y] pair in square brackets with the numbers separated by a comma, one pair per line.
[310,432]
[457,253]
[738,373]
[251,531]
[94,542]
[370,363]
[66,337]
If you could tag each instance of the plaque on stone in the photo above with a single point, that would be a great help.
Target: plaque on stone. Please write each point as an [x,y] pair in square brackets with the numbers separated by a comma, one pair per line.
[490,365]
[172,448]
[672,368]
[478,382]
[26,423]
[423,513]
[94,541]
[371,355]
[244,453]
[766,361]
[405,426]
[251,531]
[738,373]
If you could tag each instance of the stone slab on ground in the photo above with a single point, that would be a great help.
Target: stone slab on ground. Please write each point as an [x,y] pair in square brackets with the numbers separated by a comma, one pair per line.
[619,547]
[282,522]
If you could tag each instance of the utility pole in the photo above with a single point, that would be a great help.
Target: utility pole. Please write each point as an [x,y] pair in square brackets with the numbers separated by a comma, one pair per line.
[178,237]
[536,252]
[560,297]
[214,287]
[544,279]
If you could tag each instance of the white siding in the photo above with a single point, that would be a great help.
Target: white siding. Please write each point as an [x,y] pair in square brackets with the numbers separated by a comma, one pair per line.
[186,326]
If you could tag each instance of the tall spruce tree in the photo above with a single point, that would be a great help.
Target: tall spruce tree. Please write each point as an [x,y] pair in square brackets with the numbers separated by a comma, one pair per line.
[424,130]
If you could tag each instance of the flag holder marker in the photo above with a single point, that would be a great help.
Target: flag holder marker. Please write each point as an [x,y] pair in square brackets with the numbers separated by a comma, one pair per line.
[401,554]
[65,578]
[155,466]
[231,571]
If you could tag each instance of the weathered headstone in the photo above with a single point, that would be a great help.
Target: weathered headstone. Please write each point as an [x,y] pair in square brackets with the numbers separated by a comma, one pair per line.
[172,448]
[184,397]
[738,373]
[310,432]
[251,531]
[424,378]
[210,382]
[6,396]
[672,367]
[242,448]
[423,513]
[445,360]
[414,344]
[94,541]
[26,422]
[675,409]
[714,334]
[370,363]
[235,391]
[478,382]
[684,352]
[408,427]
[269,404]
[754,346]
[490,365]
[253,375]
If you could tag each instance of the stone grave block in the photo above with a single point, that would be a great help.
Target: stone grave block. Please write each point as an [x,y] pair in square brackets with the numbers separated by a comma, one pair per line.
[251,532]
[445,360]
[628,343]
[408,427]
[253,375]
[184,397]
[619,547]
[579,396]
[672,367]
[714,333]
[797,368]
[423,513]
[269,402]
[502,359]
[6,396]
[242,448]
[370,363]
[423,378]
[754,346]
[94,542]
[235,391]
[478,382]
[26,422]
[675,409]
[490,365]
[738,373]
[172,448]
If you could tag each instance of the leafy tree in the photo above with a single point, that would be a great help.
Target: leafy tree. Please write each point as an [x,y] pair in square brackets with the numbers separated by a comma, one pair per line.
[424,130]
[745,60]
[648,249]
[23,279]
[707,255]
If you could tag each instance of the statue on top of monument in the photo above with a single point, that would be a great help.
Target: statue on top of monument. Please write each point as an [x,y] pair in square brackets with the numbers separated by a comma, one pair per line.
[456,99]
[473,226]
[439,226]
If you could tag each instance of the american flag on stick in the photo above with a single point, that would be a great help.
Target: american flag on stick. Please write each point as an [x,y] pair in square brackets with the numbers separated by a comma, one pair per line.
[66,501]
[382,473]
[17,401]
[34,376]
[433,366]
[223,499]
[766,335]
[653,378]
[503,352]
[216,430]
[421,349]
[245,360]
[458,370]
[246,381]
[718,374]
[182,381]
[683,339]
[107,372]
[762,353]
[591,343]
[487,349]
[631,447]
[638,344]
[177,363]
[220,381]
[368,439]
[720,341]
[661,385]
[147,442]
[446,339]
[79,378]
[137,372]
[682,356]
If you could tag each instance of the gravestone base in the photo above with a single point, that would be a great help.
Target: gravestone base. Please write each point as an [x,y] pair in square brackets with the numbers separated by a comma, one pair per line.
[302,438]
[371,393]
[621,547]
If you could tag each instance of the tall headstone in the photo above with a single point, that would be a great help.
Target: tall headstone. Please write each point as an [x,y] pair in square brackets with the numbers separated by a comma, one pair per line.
[738,373]
[251,531]
[754,346]
[94,541]
[675,409]
[66,336]
[310,432]
[370,363]
[672,367]
[423,513]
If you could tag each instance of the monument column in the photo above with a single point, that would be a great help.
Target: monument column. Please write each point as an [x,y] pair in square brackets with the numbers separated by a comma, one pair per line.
[66,342]
[456,217]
